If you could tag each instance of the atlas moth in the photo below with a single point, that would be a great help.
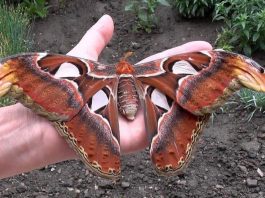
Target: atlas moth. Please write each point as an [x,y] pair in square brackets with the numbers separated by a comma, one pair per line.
[177,94]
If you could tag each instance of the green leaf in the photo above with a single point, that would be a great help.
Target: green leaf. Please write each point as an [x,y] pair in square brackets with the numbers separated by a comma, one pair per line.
[246,32]
[194,10]
[243,24]
[247,50]
[143,16]
[129,7]
[255,37]
[163,2]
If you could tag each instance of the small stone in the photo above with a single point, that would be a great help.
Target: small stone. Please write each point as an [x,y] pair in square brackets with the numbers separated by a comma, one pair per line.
[125,184]
[68,183]
[182,182]
[86,193]
[70,189]
[219,186]
[87,172]
[183,39]
[252,182]
[243,168]
[105,184]
[261,174]
[21,188]
[52,169]
[261,135]
[234,193]
[135,45]
[221,147]
[145,179]
[59,171]
[251,147]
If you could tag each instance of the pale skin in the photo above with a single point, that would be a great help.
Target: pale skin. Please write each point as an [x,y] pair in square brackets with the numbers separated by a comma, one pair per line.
[28,141]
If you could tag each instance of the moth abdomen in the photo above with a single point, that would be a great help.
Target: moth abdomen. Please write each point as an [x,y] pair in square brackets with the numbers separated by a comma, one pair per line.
[128,99]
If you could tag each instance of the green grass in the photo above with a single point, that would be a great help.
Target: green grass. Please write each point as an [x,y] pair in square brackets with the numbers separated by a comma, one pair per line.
[253,101]
[14,35]
[14,30]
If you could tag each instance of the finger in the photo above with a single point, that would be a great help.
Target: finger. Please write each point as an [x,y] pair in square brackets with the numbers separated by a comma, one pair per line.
[187,47]
[95,39]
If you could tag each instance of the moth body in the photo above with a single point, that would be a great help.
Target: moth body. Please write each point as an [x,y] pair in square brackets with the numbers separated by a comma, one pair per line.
[128,98]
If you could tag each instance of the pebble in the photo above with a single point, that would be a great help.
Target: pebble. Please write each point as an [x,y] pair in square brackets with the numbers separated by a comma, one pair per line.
[219,186]
[52,169]
[183,39]
[243,168]
[182,182]
[221,147]
[87,193]
[105,184]
[261,135]
[70,189]
[252,182]
[261,174]
[68,183]
[135,45]
[21,188]
[125,184]
[251,147]
[145,179]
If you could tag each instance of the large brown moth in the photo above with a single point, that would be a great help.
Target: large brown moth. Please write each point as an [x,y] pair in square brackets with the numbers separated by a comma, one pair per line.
[177,93]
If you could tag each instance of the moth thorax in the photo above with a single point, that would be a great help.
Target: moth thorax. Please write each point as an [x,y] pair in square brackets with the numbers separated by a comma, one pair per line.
[128,98]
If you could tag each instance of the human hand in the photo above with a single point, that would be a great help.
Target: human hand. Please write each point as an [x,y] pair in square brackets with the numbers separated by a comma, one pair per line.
[28,141]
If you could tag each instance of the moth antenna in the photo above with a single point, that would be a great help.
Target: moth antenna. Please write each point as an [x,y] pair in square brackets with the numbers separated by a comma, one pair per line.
[126,55]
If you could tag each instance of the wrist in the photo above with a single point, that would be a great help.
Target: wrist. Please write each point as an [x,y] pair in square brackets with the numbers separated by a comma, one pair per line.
[28,141]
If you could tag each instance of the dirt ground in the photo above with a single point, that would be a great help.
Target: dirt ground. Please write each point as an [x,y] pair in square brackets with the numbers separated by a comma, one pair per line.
[230,156]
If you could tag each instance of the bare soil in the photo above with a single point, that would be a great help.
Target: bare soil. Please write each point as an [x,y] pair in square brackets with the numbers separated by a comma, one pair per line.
[229,154]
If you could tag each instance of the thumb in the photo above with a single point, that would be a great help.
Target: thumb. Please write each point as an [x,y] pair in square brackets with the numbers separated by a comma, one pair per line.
[95,39]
